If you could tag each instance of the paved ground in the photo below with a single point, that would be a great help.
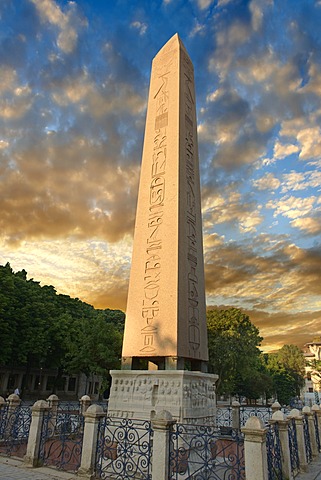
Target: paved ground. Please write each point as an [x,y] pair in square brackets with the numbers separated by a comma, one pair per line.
[314,472]
[14,469]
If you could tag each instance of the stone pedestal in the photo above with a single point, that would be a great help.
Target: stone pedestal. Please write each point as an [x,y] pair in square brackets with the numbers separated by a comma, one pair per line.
[142,394]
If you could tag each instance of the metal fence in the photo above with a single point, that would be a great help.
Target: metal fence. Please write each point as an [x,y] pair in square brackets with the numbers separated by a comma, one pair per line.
[62,437]
[224,414]
[273,447]
[124,449]
[307,439]
[14,430]
[293,446]
[202,452]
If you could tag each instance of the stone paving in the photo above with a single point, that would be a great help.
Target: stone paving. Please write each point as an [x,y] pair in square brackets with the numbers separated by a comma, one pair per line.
[314,471]
[14,469]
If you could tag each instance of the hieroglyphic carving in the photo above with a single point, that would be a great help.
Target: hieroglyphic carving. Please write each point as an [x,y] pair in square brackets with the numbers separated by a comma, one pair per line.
[191,215]
[153,259]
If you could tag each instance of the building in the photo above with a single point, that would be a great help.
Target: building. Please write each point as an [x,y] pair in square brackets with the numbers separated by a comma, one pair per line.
[312,387]
[39,383]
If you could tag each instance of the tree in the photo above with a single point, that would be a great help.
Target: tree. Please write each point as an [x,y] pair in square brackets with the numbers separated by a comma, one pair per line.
[95,347]
[233,348]
[287,367]
[292,359]
[285,386]
[39,327]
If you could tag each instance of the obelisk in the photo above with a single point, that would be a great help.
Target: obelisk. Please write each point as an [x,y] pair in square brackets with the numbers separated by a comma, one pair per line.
[166,314]
[165,327]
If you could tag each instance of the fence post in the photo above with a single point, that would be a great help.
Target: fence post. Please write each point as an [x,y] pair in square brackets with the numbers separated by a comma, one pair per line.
[2,402]
[85,403]
[317,412]
[32,455]
[314,447]
[275,407]
[236,421]
[53,402]
[14,402]
[161,425]
[283,424]
[295,414]
[255,453]
[87,466]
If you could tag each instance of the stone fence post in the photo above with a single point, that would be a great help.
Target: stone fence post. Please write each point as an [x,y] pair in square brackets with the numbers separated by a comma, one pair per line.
[295,414]
[38,411]
[313,439]
[275,407]
[283,424]
[236,421]
[316,410]
[255,449]
[161,425]
[92,416]
[53,402]
[85,403]
[2,402]
[14,402]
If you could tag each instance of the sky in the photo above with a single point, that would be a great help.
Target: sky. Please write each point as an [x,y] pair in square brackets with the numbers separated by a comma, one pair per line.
[74,78]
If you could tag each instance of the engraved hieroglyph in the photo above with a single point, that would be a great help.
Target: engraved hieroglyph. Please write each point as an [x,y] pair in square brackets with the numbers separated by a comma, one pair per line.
[166,315]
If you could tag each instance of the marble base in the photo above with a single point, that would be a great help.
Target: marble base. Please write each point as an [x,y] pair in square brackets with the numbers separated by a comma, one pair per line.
[189,396]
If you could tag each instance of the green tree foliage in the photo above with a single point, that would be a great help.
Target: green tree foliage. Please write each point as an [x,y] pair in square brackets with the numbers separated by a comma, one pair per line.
[39,327]
[233,352]
[287,367]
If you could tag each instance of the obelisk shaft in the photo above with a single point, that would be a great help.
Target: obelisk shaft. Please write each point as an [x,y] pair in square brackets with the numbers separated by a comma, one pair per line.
[166,313]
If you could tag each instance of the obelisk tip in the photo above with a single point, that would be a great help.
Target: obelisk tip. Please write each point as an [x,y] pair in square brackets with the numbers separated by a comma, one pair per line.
[175,40]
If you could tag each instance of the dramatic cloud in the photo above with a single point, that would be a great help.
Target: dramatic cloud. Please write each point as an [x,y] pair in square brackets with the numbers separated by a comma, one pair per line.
[73,92]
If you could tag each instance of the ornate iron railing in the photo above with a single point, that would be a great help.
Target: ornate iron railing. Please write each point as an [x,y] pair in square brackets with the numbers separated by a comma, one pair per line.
[264,413]
[14,430]
[223,416]
[124,449]
[202,452]
[293,446]
[273,447]
[316,428]
[61,438]
[307,440]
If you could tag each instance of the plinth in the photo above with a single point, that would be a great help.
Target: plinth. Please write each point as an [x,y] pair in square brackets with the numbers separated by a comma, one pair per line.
[141,394]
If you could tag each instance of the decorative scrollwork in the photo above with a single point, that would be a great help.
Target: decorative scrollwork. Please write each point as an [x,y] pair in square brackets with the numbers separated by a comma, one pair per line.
[61,438]
[14,430]
[202,452]
[124,448]
[307,440]
[293,445]
[273,447]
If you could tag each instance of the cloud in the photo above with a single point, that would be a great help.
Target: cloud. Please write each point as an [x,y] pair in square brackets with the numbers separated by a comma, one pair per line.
[64,188]
[310,225]
[140,26]
[197,29]
[282,150]
[16,99]
[203,4]
[265,275]
[292,207]
[80,258]
[267,182]
[51,13]
[231,208]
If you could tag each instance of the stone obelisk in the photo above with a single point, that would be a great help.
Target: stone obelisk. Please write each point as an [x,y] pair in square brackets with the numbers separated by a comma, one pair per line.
[165,327]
